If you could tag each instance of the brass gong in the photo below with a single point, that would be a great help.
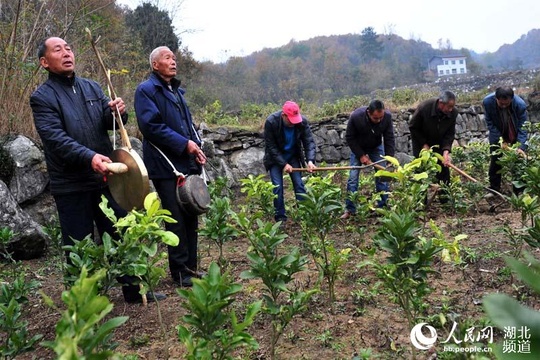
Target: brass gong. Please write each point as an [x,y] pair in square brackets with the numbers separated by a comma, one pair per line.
[130,188]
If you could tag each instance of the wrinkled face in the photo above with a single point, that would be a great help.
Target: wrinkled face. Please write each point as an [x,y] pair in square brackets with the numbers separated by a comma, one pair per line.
[446,108]
[58,58]
[165,64]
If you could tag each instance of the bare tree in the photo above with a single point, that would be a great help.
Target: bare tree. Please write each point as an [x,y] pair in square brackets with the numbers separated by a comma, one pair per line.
[23,23]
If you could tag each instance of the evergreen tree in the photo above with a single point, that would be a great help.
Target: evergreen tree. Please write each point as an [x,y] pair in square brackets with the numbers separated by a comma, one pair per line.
[153,26]
[370,47]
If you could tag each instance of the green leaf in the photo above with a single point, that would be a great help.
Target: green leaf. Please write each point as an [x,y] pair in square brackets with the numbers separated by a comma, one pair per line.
[103,205]
[150,200]
[460,237]
[421,176]
[392,160]
[507,312]
[530,274]
[169,238]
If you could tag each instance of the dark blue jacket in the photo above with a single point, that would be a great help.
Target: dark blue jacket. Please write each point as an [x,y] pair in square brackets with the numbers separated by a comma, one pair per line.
[363,136]
[165,121]
[274,138]
[493,120]
[72,116]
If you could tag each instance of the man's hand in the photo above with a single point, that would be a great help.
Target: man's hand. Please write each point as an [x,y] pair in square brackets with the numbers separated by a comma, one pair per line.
[311,166]
[288,168]
[118,102]
[365,160]
[194,149]
[447,158]
[522,153]
[98,164]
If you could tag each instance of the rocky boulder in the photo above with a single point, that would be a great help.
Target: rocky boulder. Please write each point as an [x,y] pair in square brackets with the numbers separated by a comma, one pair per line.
[30,177]
[29,240]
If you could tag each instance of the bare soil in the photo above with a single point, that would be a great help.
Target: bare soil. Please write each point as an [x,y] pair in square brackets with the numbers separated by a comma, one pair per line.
[325,331]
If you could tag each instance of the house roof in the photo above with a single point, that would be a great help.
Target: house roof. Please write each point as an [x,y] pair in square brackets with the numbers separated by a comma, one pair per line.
[447,57]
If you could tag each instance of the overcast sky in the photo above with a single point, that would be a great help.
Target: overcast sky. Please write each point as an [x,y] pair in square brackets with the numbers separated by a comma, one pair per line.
[219,29]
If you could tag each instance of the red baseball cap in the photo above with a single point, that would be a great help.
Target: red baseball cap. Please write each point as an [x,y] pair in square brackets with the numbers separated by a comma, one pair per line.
[291,109]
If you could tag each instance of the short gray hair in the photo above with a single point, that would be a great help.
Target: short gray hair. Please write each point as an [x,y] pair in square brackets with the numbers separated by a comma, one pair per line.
[155,54]
[447,96]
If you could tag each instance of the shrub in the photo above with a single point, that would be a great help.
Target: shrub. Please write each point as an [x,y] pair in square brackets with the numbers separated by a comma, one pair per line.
[81,332]
[213,331]
[14,330]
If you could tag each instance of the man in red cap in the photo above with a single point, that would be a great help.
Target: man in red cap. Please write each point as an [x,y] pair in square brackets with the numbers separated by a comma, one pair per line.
[286,132]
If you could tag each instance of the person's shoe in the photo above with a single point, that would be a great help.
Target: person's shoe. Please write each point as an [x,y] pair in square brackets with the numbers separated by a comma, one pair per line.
[489,195]
[200,274]
[347,214]
[185,281]
[155,296]
[150,297]
[282,224]
[195,274]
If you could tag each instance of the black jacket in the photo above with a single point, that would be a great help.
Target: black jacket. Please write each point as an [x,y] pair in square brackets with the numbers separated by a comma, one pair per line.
[72,116]
[363,136]
[432,127]
[274,138]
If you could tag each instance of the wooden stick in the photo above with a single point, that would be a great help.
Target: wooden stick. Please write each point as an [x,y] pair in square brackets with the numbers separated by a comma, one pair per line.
[123,133]
[464,174]
[374,164]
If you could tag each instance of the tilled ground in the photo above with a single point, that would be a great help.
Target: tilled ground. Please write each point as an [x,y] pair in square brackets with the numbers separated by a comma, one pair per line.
[363,317]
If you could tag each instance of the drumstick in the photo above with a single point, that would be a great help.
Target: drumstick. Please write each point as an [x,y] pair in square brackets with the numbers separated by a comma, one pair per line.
[117,167]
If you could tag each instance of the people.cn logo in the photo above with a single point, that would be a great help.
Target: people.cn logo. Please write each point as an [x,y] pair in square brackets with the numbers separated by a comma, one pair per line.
[419,340]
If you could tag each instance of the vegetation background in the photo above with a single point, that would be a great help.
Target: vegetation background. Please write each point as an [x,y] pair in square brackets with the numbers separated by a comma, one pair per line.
[326,75]
[242,90]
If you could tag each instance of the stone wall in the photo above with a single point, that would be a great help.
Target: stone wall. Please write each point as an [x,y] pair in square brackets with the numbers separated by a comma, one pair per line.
[237,154]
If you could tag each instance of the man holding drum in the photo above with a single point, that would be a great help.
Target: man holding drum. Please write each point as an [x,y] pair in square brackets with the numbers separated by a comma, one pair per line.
[165,121]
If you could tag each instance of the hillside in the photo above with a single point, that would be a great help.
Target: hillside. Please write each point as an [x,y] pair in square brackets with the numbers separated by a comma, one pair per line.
[522,54]
[328,68]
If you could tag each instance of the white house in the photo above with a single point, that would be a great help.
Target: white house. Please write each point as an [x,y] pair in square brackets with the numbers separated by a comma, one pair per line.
[444,65]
